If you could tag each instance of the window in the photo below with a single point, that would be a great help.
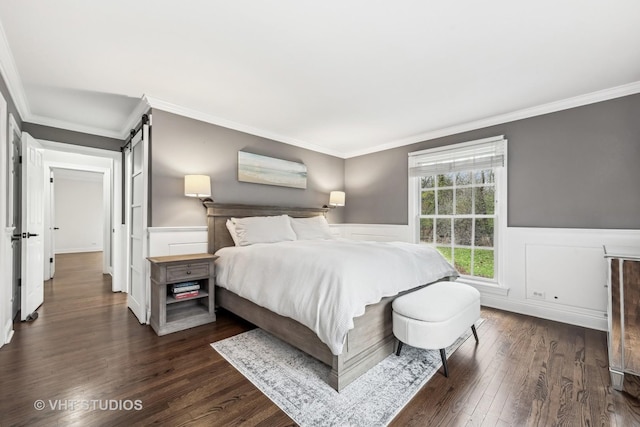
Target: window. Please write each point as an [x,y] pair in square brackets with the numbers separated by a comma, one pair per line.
[456,204]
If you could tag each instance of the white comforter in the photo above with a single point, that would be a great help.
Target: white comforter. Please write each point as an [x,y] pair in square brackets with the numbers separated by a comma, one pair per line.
[325,284]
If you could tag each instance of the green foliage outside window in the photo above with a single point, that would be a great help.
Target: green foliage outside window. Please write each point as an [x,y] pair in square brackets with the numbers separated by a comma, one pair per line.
[458,216]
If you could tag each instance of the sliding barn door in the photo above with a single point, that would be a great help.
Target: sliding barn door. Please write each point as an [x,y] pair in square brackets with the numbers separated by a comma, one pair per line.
[137,177]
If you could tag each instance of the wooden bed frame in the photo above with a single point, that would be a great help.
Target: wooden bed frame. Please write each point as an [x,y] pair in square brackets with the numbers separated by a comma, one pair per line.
[369,342]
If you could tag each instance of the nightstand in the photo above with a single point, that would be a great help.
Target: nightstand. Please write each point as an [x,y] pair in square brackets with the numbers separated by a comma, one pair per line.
[172,310]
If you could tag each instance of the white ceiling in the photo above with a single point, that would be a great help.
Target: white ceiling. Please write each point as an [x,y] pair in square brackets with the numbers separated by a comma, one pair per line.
[341,77]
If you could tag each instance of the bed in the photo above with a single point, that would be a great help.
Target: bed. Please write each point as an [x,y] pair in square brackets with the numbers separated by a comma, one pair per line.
[368,342]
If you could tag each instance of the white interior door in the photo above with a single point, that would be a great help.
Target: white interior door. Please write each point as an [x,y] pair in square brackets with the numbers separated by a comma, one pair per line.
[137,223]
[32,226]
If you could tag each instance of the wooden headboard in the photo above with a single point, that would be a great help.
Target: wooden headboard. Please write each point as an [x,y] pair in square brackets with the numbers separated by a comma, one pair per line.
[219,213]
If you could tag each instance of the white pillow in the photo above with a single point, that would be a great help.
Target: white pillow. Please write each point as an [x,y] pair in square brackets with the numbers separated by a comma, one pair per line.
[263,229]
[313,228]
[232,230]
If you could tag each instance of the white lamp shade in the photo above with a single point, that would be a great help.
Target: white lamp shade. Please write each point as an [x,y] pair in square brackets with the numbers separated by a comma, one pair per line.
[336,198]
[197,186]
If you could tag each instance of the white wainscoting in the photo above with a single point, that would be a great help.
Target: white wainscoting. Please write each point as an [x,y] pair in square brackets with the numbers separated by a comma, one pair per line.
[555,274]
[177,240]
[559,274]
[551,273]
[375,232]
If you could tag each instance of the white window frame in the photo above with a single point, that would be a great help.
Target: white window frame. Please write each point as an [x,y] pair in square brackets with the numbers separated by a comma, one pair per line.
[500,225]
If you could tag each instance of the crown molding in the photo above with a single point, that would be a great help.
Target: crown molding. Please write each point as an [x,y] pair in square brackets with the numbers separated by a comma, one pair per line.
[135,117]
[74,127]
[11,77]
[552,107]
[219,121]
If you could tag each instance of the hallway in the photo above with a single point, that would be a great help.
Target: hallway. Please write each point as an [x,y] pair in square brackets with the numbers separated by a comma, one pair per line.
[86,345]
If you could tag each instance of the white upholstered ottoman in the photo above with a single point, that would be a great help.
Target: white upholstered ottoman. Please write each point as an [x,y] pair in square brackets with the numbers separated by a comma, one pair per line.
[435,316]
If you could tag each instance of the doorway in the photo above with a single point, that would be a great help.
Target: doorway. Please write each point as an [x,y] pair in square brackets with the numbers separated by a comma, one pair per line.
[106,165]
[78,214]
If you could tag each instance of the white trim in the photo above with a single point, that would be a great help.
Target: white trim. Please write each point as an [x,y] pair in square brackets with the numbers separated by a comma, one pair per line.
[112,189]
[176,229]
[109,213]
[219,121]
[74,127]
[134,118]
[14,131]
[485,288]
[6,253]
[576,273]
[121,134]
[551,107]
[177,240]
[372,232]
[501,191]
[65,147]
[460,146]
[586,318]
[79,250]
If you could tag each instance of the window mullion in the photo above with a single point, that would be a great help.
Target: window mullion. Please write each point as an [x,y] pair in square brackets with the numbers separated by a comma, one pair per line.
[473,227]
[453,221]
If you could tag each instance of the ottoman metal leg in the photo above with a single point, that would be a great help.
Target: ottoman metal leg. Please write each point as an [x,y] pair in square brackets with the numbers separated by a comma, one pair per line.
[399,348]
[475,334]
[443,355]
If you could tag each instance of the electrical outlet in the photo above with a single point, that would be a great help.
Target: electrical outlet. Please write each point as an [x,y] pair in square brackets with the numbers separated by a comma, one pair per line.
[538,295]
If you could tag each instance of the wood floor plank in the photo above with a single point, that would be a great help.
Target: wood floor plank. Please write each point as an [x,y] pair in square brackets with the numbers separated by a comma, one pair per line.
[86,345]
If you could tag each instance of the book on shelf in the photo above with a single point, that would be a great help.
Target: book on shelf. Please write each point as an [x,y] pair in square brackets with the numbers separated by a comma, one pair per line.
[187,294]
[184,287]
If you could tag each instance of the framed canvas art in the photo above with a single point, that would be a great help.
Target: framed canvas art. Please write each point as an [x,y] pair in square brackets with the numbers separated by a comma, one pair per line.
[271,171]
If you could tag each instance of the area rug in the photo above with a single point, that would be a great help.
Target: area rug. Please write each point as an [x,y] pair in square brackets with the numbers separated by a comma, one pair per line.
[297,383]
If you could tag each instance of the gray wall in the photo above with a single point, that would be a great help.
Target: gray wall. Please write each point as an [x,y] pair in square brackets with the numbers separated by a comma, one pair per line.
[182,146]
[11,106]
[578,168]
[49,133]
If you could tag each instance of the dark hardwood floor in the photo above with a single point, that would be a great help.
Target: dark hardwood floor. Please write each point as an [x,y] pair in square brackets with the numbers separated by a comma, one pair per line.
[87,346]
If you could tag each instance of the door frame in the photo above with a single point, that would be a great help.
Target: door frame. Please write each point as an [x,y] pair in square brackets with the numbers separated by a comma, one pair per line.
[50,167]
[112,190]
[6,253]
[13,213]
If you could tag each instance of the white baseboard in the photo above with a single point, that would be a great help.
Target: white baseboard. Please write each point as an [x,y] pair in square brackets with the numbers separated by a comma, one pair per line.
[9,334]
[77,250]
[586,318]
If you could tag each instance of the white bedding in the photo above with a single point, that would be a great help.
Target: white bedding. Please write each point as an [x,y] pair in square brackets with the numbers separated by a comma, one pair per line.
[325,284]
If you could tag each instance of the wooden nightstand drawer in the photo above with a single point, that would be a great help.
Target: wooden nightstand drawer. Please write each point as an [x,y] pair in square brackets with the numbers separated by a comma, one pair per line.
[187,271]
